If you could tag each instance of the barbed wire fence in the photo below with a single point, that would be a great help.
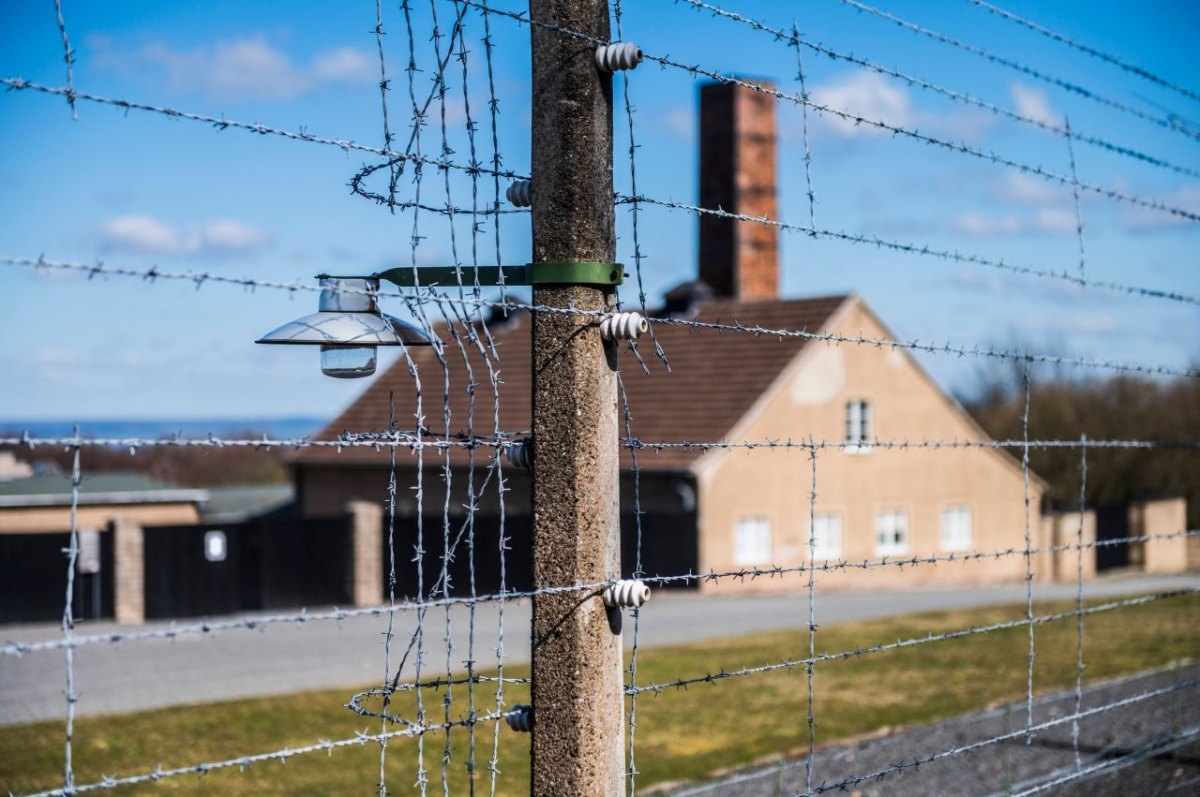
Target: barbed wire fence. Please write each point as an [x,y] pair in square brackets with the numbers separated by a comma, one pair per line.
[453,717]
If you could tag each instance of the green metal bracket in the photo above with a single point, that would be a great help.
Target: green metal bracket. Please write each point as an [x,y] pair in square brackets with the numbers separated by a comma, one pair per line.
[589,273]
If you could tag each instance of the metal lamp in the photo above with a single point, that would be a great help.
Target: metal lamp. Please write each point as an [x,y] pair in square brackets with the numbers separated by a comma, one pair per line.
[348,327]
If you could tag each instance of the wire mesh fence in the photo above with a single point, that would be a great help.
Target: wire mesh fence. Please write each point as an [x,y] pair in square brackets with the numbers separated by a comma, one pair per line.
[706,407]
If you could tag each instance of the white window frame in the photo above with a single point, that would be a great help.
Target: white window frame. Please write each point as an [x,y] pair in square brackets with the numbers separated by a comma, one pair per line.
[753,540]
[859,422]
[891,532]
[826,534]
[958,528]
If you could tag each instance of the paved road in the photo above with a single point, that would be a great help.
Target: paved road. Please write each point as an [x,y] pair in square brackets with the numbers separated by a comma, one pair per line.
[288,658]
[1142,746]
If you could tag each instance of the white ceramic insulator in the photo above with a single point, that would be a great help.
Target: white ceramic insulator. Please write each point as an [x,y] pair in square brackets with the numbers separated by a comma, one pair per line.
[623,326]
[518,453]
[520,718]
[520,193]
[617,57]
[626,594]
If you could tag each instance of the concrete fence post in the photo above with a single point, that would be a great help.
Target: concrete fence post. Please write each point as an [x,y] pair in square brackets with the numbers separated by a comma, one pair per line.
[129,571]
[366,531]
[578,731]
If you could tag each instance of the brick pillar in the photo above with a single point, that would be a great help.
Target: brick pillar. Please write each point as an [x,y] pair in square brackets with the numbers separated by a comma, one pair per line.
[1066,532]
[737,174]
[1165,554]
[129,577]
[366,519]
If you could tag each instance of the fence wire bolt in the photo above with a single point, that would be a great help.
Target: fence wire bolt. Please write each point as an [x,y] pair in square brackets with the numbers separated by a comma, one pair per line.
[626,594]
[520,718]
[623,326]
[618,56]
[519,453]
[520,193]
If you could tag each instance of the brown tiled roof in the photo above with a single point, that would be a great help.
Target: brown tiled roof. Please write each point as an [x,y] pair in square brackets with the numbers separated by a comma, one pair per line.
[715,378]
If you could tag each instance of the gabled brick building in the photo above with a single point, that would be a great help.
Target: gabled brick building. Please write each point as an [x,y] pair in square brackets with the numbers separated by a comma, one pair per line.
[710,508]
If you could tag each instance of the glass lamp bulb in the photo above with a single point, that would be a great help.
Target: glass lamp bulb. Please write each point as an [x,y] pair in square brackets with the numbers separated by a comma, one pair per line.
[347,362]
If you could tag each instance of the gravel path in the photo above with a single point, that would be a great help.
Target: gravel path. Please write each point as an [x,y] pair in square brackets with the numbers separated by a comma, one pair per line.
[1148,746]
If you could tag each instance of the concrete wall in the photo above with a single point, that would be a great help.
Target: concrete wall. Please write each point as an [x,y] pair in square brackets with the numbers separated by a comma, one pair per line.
[1071,529]
[1167,554]
[58,518]
[367,533]
[809,400]
[129,563]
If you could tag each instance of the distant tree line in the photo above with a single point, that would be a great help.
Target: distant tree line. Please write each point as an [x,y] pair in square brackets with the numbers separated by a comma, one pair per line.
[1115,408]
[205,466]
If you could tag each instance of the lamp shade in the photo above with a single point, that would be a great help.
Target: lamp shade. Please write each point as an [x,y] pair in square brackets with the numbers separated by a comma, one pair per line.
[348,316]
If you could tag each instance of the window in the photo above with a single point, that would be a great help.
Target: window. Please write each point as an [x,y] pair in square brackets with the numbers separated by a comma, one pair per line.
[858,426]
[215,546]
[891,532]
[956,528]
[752,541]
[827,536]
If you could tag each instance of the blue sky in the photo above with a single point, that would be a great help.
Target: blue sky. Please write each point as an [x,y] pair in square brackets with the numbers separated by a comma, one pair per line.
[136,189]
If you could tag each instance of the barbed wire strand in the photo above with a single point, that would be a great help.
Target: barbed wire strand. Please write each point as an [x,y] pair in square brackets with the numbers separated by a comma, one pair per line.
[415,441]
[924,250]
[201,277]
[808,181]
[68,58]
[159,774]
[812,620]
[711,677]
[204,627]
[795,40]
[1083,48]
[1025,388]
[1078,206]
[959,147]
[68,618]
[389,634]
[943,349]
[1079,622]
[501,488]
[634,207]
[1168,123]
[222,123]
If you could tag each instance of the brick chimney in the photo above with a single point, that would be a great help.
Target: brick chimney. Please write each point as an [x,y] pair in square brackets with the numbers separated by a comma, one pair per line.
[737,174]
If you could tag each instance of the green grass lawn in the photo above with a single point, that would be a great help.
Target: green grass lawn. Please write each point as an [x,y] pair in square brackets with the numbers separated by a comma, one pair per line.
[681,734]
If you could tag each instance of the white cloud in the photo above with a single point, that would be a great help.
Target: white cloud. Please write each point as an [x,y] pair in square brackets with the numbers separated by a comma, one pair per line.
[1053,221]
[979,225]
[236,69]
[679,122]
[1023,188]
[140,234]
[1045,221]
[344,65]
[1091,324]
[147,235]
[867,95]
[1032,102]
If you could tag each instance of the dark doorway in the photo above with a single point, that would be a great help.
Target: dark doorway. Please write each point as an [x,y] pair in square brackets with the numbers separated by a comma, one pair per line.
[1112,523]
[33,578]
